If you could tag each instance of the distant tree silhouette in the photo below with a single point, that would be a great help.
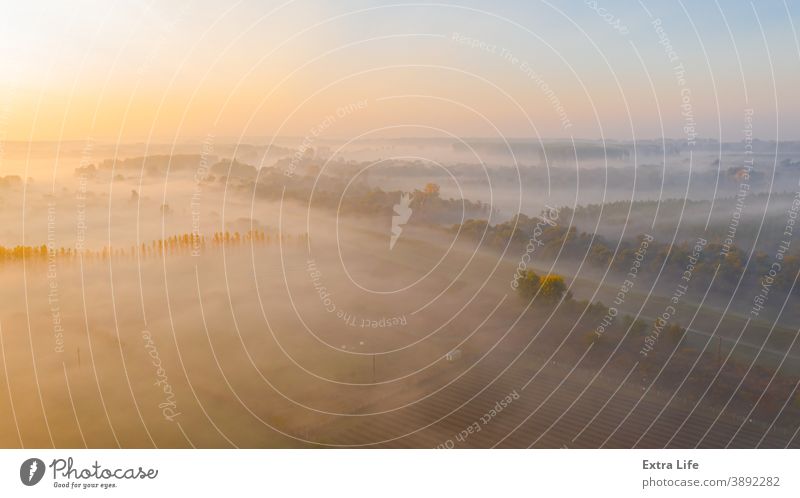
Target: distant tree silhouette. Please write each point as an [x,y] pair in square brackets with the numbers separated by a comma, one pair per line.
[181,244]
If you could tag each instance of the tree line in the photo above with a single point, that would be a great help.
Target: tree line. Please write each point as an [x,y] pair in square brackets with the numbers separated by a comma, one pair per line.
[181,244]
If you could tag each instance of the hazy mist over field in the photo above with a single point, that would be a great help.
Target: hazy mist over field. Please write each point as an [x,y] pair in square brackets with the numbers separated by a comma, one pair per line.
[366,224]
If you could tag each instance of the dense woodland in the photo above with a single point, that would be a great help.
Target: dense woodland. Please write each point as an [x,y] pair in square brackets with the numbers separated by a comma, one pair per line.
[571,244]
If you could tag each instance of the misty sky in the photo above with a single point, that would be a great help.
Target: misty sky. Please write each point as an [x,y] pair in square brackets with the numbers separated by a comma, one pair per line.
[137,70]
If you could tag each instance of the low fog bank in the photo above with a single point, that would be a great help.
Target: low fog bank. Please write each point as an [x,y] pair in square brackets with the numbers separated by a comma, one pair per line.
[195,299]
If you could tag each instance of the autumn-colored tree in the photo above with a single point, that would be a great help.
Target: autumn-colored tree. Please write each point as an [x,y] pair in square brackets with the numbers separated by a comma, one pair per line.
[432,189]
[552,288]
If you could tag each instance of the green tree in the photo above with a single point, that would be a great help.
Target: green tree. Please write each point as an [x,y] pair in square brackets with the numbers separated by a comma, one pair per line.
[528,285]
